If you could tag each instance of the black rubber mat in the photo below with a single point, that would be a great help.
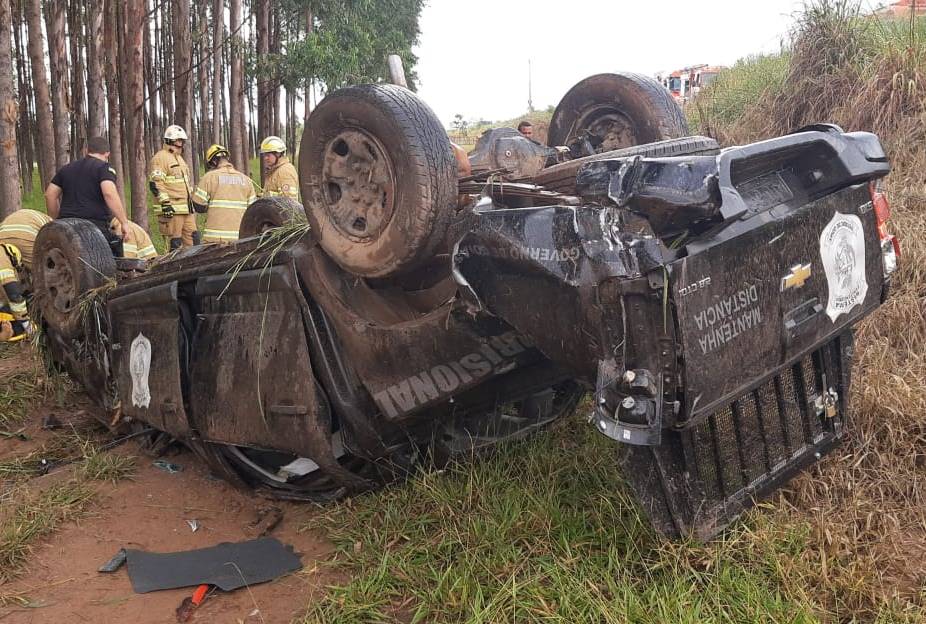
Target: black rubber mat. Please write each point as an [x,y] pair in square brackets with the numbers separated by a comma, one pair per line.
[227,566]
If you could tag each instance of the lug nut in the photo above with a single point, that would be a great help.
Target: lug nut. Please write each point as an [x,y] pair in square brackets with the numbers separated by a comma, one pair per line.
[629,376]
[628,403]
[602,425]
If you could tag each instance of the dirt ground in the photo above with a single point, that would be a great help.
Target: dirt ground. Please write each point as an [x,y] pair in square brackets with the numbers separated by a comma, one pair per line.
[151,511]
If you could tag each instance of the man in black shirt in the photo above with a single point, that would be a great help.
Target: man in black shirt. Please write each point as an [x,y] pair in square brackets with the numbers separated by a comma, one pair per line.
[86,189]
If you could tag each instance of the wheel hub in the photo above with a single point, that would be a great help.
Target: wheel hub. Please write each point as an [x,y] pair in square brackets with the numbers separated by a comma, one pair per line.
[358,184]
[59,281]
[614,129]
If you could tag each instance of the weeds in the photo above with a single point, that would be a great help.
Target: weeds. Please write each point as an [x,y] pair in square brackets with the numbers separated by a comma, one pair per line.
[35,516]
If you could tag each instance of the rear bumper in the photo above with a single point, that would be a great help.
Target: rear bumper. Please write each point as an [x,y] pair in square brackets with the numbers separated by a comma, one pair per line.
[701,478]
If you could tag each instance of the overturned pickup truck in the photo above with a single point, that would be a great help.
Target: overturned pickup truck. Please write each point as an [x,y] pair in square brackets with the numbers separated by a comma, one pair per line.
[705,296]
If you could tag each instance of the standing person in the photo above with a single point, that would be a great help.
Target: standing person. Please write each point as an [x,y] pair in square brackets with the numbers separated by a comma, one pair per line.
[223,194]
[86,189]
[280,176]
[170,184]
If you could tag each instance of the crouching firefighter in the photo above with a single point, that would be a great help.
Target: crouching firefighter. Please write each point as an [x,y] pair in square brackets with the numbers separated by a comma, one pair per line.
[169,181]
[223,194]
[13,313]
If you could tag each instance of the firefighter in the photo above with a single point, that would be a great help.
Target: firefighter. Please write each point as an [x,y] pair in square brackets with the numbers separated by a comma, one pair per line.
[12,293]
[170,183]
[223,194]
[17,238]
[137,245]
[280,176]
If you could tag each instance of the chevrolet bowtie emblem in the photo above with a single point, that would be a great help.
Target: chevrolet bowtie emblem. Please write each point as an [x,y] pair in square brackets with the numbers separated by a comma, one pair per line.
[799,274]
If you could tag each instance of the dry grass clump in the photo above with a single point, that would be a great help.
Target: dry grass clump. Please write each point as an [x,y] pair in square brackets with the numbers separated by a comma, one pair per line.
[867,504]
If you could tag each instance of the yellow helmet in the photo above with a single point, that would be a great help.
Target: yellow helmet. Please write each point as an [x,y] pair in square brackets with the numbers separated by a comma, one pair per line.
[13,252]
[215,151]
[272,144]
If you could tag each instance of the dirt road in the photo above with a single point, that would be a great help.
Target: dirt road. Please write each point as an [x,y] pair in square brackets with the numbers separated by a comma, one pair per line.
[150,511]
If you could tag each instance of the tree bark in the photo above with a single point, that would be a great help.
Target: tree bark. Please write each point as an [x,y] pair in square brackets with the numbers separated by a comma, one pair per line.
[26,127]
[218,34]
[264,101]
[45,131]
[55,15]
[135,20]
[110,44]
[237,134]
[77,43]
[96,114]
[183,71]
[202,77]
[10,193]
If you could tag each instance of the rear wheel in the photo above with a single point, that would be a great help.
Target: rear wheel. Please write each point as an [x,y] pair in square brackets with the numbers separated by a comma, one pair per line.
[270,212]
[616,111]
[70,258]
[379,179]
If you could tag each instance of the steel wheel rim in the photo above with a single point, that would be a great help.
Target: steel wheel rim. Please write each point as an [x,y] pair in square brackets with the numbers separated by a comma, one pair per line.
[615,128]
[358,185]
[60,282]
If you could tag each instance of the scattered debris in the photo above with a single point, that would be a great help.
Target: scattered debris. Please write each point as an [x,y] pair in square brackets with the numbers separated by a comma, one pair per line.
[191,603]
[267,518]
[115,563]
[194,524]
[51,422]
[227,566]
[166,466]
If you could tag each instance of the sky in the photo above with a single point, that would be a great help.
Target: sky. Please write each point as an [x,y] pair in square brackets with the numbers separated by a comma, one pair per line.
[473,55]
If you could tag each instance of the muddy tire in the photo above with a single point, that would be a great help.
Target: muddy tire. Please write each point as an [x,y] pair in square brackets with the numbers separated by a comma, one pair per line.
[378,176]
[270,212]
[70,257]
[623,109]
[562,177]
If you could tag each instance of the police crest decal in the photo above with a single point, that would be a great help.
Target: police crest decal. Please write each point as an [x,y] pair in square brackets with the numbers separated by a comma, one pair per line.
[842,249]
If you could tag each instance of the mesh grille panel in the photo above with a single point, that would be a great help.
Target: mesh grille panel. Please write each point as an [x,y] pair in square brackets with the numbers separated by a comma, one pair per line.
[757,436]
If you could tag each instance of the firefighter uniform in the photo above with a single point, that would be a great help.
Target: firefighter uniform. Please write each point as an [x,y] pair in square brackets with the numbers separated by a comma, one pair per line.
[170,182]
[282,180]
[224,194]
[20,229]
[138,246]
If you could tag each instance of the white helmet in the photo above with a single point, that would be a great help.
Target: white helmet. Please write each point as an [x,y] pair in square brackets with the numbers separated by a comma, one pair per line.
[272,145]
[175,133]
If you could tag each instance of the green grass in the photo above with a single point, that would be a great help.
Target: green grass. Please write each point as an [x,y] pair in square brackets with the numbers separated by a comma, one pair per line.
[17,394]
[33,516]
[546,531]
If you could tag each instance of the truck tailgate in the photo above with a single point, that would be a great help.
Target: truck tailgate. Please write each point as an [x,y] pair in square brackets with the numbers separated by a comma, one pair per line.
[752,304]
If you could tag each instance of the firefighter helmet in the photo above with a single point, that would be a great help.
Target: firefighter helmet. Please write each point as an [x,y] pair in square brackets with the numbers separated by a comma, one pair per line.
[215,151]
[12,251]
[175,133]
[273,145]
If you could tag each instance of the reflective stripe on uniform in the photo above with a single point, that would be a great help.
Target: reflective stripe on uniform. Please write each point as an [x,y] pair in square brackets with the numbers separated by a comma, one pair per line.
[201,194]
[17,228]
[7,276]
[19,309]
[147,252]
[221,234]
[229,203]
